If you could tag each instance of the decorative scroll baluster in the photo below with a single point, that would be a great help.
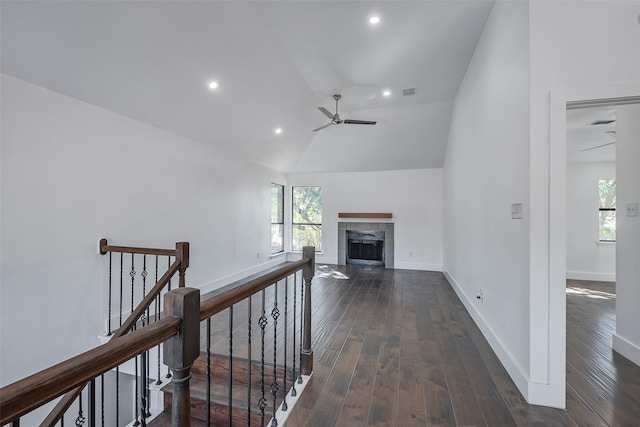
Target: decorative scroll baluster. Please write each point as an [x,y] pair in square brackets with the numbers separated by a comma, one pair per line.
[275,313]
[249,362]
[208,413]
[136,387]
[294,392]
[168,290]
[262,402]
[286,301]
[80,420]
[230,382]
[144,357]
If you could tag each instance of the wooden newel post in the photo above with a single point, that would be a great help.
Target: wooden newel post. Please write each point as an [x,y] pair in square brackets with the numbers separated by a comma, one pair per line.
[182,350]
[182,255]
[306,358]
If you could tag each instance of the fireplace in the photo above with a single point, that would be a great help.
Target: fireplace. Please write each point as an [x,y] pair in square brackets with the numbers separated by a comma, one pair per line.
[365,248]
[386,231]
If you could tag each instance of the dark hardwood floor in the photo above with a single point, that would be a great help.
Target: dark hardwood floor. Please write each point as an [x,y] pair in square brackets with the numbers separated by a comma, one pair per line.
[398,348]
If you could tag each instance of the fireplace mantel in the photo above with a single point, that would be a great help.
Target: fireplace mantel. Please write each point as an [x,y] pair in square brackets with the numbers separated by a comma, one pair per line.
[364,215]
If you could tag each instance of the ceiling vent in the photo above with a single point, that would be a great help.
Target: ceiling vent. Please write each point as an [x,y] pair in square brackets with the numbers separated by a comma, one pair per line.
[409,91]
[601,122]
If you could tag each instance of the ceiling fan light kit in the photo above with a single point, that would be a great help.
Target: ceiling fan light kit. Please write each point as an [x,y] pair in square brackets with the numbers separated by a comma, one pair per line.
[336,120]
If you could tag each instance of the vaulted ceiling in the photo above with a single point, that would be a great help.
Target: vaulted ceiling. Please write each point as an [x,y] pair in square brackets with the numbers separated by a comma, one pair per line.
[275,62]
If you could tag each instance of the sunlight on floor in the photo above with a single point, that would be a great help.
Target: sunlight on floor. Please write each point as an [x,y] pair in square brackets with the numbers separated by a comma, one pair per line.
[590,293]
[326,271]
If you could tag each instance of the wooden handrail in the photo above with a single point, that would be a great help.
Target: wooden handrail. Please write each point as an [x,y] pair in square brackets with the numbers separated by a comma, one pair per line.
[106,248]
[34,391]
[227,296]
[23,396]
[181,253]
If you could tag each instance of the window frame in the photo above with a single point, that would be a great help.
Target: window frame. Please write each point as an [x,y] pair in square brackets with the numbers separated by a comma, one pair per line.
[606,209]
[279,222]
[294,224]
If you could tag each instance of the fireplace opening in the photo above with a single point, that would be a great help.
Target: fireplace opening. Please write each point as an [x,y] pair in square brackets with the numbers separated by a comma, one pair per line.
[365,248]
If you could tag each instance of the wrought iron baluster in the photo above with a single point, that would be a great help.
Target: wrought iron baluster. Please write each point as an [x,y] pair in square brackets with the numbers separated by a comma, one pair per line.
[230,385]
[80,420]
[15,423]
[117,396]
[145,357]
[275,313]
[294,392]
[156,318]
[109,333]
[136,386]
[262,402]
[208,413]
[121,285]
[169,289]
[102,399]
[301,327]
[91,406]
[286,301]
[249,361]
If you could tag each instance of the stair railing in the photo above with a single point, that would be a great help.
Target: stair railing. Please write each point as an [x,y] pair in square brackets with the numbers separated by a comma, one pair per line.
[179,330]
[274,371]
[180,256]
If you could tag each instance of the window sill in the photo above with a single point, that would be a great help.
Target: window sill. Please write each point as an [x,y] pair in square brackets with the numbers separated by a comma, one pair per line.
[278,254]
[606,243]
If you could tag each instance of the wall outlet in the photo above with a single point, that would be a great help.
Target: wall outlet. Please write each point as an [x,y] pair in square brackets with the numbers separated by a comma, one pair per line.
[480,296]
[411,254]
[632,209]
[258,255]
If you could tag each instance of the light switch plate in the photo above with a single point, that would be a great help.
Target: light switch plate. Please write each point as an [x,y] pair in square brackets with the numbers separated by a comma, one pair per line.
[516,211]
[632,209]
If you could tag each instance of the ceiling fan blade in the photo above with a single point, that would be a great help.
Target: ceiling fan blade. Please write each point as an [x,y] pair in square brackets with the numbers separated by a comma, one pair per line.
[325,126]
[326,112]
[599,146]
[358,122]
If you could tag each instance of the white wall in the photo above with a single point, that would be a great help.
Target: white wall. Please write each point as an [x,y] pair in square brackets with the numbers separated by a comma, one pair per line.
[627,337]
[414,197]
[73,173]
[486,170]
[587,258]
[593,57]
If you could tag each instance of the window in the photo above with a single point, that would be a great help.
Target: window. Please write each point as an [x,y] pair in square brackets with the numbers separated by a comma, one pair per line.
[607,211]
[277,218]
[306,224]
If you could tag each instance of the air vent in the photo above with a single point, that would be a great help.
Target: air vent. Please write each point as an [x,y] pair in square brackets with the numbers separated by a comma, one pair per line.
[601,122]
[409,91]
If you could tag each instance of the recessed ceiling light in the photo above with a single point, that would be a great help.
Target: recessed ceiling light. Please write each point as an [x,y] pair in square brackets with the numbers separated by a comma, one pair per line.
[213,85]
[278,130]
[386,93]
[374,20]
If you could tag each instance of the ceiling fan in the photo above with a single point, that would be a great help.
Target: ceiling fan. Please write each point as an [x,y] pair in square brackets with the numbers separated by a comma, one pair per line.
[336,120]
[611,133]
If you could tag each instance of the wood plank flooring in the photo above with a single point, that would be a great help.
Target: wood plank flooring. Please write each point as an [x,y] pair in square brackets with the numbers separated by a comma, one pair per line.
[398,348]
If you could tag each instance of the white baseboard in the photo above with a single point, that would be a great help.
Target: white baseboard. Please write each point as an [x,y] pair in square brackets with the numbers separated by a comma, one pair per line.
[626,348]
[513,368]
[591,276]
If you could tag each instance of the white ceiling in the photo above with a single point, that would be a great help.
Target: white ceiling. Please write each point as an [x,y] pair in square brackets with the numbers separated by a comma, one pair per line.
[275,61]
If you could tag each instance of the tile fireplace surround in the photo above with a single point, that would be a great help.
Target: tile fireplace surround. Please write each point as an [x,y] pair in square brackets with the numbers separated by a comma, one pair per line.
[387,227]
